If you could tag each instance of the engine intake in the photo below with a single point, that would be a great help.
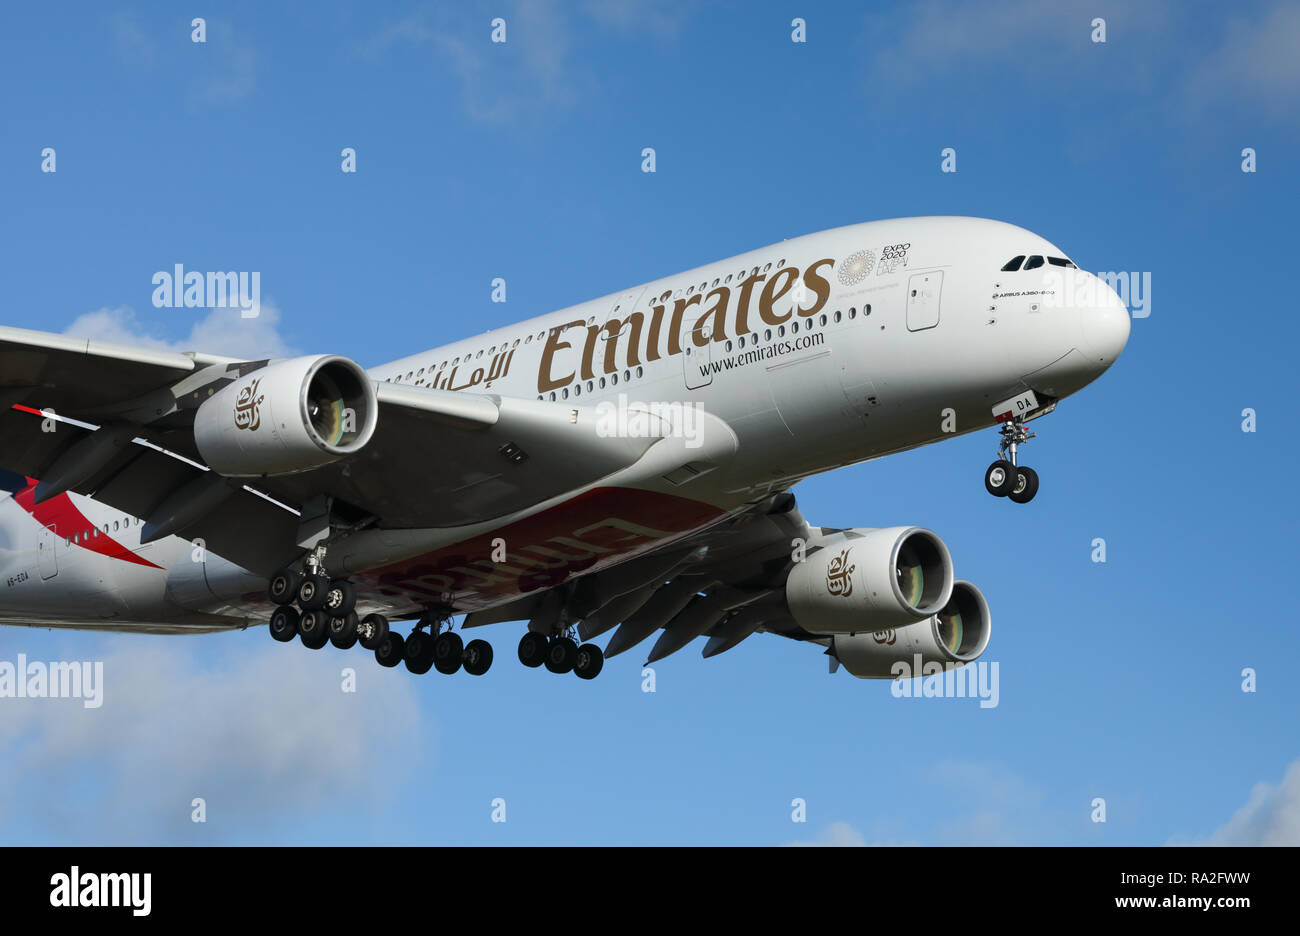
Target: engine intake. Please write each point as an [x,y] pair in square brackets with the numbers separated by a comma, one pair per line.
[957,635]
[292,415]
[859,581]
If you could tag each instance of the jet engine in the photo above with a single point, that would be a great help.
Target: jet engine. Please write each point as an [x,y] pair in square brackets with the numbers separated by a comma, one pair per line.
[861,581]
[957,635]
[291,415]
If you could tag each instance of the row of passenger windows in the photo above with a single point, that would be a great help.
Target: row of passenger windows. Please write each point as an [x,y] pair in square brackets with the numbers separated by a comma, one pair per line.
[593,384]
[1034,262]
[808,325]
[415,376]
[86,535]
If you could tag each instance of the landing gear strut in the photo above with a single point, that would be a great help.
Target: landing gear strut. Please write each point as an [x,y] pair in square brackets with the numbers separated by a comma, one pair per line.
[560,653]
[326,613]
[442,649]
[1006,478]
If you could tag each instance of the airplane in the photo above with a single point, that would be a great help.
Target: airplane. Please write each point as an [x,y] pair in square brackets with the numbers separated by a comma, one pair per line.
[621,465]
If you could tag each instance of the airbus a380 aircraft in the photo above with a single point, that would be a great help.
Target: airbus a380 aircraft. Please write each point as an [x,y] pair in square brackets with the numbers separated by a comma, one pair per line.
[624,463]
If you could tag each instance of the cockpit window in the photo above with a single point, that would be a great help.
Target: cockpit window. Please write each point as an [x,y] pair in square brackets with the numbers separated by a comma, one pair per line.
[1013,264]
[1034,262]
[1061,261]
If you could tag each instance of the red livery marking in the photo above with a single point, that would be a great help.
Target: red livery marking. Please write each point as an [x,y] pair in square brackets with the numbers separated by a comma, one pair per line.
[68,521]
[594,530]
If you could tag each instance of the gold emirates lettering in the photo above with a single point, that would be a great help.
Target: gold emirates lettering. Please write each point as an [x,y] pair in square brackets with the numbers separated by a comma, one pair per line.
[712,315]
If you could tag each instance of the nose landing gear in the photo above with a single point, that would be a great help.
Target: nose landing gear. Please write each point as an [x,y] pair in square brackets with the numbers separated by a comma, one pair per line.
[1006,478]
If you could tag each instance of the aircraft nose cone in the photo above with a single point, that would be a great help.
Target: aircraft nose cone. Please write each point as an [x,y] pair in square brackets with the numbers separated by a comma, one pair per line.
[1105,326]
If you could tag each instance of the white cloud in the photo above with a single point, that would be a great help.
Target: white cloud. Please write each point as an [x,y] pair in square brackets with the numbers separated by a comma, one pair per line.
[534,69]
[262,732]
[1271,815]
[835,835]
[220,331]
[498,80]
[228,73]
[1257,61]
[132,44]
[1205,65]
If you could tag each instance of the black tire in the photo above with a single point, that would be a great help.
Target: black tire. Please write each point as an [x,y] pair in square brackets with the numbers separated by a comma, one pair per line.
[418,652]
[312,591]
[340,598]
[313,629]
[284,623]
[448,652]
[343,630]
[561,655]
[1000,478]
[391,650]
[532,649]
[372,631]
[283,587]
[478,657]
[1026,486]
[589,661]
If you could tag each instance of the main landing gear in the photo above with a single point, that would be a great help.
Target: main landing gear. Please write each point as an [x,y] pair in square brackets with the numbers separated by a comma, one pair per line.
[561,654]
[443,650]
[326,613]
[1005,478]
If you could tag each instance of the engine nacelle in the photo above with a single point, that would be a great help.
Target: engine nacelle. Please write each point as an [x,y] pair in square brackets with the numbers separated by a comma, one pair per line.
[292,415]
[955,636]
[860,581]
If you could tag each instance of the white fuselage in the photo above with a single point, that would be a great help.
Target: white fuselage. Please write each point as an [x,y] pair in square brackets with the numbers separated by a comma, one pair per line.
[817,352]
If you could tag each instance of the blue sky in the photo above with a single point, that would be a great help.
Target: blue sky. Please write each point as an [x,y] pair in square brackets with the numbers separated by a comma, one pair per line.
[1119,680]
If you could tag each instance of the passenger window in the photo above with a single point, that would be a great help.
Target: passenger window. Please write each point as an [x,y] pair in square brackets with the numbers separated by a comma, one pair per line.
[1013,264]
[1034,262]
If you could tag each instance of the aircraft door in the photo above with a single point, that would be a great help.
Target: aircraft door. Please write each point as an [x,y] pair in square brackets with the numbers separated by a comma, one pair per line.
[923,293]
[46,560]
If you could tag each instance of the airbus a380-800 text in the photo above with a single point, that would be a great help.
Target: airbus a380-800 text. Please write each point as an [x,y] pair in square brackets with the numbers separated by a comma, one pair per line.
[621,465]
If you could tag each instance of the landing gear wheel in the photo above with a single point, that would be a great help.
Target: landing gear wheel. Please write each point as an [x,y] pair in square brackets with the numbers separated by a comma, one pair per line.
[1000,478]
[340,598]
[372,631]
[312,591]
[283,587]
[343,630]
[284,624]
[1026,486]
[561,655]
[478,657]
[418,652]
[588,663]
[448,651]
[313,628]
[391,649]
[532,649]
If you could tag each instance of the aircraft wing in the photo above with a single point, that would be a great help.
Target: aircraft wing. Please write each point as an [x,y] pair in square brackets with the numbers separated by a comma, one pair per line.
[726,583]
[437,458]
